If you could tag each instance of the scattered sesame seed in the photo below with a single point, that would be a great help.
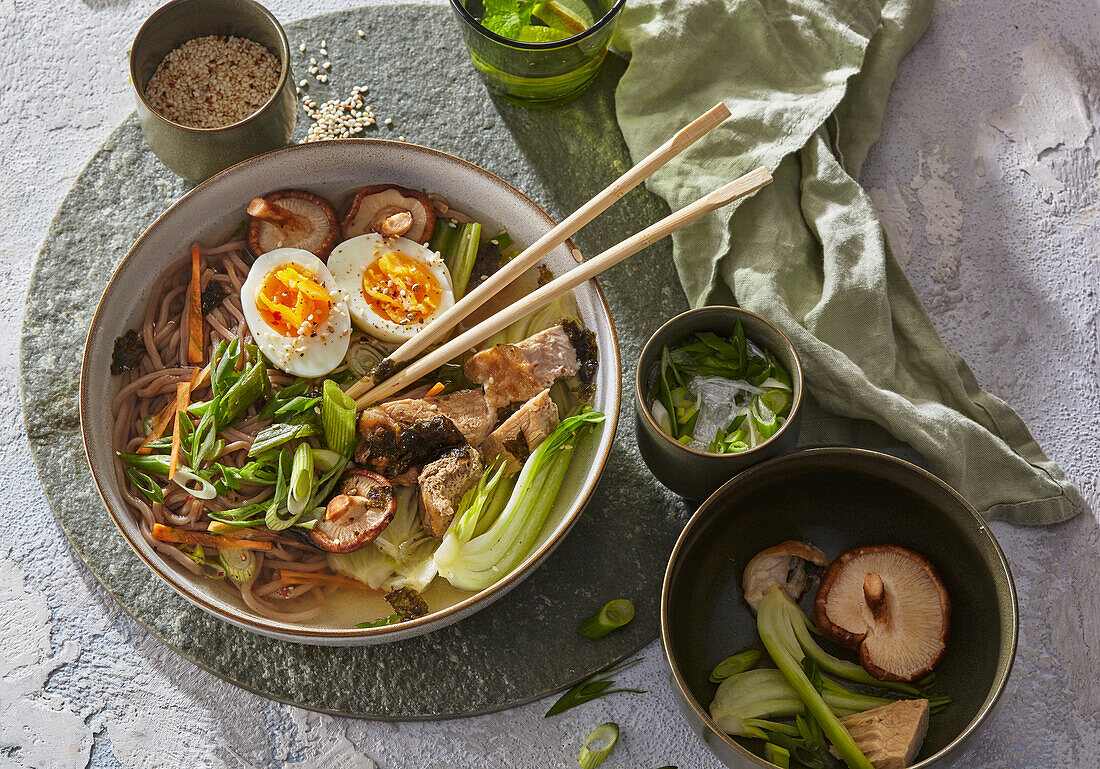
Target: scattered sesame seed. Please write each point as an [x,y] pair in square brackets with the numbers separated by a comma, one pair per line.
[302,48]
[400,138]
[323,78]
[327,64]
[324,52]
[362,33]
[313,70]
[312,60]
[303,84]
[337,119]
[388,121]
[324,44]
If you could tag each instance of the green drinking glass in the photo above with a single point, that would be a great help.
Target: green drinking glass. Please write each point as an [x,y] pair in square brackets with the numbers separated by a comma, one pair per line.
[558,50]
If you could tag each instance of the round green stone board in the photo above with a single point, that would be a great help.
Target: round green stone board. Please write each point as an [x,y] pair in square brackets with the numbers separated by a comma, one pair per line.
[526,645]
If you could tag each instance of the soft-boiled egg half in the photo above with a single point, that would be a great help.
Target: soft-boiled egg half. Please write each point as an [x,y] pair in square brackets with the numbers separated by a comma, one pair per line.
[394,286]
[296,312]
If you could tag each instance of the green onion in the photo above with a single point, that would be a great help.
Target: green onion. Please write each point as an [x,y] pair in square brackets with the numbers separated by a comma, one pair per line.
[393,619]
[277,506]
[591,688]
[145,485]
[781,757]
[764,419]
[224,367]
[598,745]
[325,459]
[738,663]
[242,394]
[198,555]
[283,397]
[240,516]
[240,565]
[276,435]
[460,258]
[301,480]
[444,236]
[184,476]
[337,417]
[612,616]
[297,405]
[202,441]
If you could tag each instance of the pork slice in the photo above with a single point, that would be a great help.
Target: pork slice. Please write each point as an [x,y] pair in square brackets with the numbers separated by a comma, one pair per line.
[470,412]
[519,372]
[521,433]
[443,483]
[404,434]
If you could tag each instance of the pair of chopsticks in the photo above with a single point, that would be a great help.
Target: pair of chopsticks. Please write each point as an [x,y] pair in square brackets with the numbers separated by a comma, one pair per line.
[362,390]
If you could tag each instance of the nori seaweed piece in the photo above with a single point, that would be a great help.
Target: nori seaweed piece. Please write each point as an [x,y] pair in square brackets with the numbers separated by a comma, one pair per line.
[129,352]
[584,344]
[213,295]
[407,603]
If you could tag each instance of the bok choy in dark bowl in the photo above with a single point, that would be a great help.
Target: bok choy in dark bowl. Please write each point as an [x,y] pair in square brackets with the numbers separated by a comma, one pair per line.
[717,390]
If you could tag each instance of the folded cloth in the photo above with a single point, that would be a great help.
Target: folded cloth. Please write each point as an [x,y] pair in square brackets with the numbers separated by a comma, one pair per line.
[807,82]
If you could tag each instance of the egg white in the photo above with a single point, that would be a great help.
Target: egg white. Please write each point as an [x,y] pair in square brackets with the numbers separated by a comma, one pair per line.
[350,260]
[301,356]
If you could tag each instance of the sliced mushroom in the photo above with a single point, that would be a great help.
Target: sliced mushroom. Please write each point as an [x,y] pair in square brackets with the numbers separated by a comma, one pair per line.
[785,565]
[292,219]
[357,515]
[387,209]
[890,604]
[889,736]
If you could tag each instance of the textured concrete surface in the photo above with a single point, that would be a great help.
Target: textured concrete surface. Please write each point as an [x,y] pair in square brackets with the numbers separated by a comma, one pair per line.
[988,176]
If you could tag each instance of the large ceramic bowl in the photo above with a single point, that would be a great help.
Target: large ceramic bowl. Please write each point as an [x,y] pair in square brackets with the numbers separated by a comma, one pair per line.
[837,499]
[334,169]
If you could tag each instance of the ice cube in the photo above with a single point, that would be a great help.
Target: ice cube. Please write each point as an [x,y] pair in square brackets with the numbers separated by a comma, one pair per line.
[717,400]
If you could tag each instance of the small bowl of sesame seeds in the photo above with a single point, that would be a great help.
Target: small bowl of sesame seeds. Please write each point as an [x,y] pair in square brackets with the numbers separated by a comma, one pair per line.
[213,84]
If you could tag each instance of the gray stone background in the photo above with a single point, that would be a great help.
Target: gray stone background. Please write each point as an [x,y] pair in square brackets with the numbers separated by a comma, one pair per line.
[988,178]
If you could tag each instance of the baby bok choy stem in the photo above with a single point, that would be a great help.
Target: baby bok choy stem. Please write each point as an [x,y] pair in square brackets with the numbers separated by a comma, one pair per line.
[487,557]
[776,624]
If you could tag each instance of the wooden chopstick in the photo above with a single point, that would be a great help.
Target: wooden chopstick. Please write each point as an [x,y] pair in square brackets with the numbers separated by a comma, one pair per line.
[569,226]
[722,196]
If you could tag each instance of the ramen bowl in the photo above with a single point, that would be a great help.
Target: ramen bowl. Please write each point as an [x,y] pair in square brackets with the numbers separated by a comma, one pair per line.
[837,499]
[334,169]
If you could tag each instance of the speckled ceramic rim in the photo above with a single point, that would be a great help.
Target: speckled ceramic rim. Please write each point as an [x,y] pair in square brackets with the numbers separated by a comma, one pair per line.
[640,384]
[283,630]
[1003,669]
[284,69]
[519,44]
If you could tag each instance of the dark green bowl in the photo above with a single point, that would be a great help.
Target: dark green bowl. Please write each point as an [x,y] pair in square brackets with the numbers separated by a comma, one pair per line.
[837,498]
[697,474]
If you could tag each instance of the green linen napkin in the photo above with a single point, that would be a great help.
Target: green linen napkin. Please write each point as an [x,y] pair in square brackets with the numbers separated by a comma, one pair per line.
[807,82]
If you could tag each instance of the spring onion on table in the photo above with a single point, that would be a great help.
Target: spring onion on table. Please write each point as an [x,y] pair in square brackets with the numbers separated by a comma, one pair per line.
[598,746]
[595,686]
[612,616]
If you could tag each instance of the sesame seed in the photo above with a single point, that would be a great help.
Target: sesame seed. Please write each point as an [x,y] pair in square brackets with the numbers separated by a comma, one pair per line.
[303,84]
[324,44]
[338,119]
[362,33]
[213,81]
[388,121]
[302,48]
[324,52]
[327,64]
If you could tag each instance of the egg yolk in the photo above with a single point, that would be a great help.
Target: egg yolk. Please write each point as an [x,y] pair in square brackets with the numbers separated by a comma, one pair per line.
[401,289]
[292,301]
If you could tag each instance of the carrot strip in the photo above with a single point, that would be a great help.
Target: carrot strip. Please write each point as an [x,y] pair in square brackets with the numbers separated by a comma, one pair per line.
[199,378]
[183,400]
[194,345]
[183,536]
[312,578]
[437,388]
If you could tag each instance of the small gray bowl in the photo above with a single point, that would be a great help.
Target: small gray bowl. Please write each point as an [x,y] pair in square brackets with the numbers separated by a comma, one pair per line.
[838,498]
[198,153]
[697,474]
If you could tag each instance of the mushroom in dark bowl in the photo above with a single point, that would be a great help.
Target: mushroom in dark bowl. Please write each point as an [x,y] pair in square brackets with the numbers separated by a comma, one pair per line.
[292,219]
[391,211]
[890,604]
[357,515]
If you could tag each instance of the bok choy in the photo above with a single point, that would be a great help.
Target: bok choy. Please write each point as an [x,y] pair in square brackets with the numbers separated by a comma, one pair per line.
[484,558]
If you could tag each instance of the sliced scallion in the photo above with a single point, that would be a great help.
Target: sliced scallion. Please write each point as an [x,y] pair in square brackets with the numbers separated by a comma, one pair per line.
[781,757]
[240,565]
[185,476]
[300,485]
[337,417]
[325,459]
[612,616]
[598,746]
[595,686]
[738,663]
[278,434]
[145,485]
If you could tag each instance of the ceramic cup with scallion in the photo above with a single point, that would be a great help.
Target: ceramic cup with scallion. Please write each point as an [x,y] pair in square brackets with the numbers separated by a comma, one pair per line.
[694,473]
[198,153]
